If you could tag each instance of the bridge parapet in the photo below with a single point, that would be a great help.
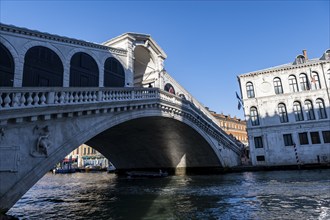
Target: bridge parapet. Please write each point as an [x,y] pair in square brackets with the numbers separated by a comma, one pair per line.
[57,102]
[11,98]
[187,95]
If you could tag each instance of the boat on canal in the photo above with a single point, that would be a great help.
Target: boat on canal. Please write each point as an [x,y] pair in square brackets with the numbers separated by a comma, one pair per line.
[149,174]
[63,170]
[65,166]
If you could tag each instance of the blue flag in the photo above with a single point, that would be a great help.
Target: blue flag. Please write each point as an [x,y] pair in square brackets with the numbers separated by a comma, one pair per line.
[239,105]
[237,96]
[240,102]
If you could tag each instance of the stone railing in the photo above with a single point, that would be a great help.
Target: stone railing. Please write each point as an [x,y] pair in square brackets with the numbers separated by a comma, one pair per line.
[12,98]
[188,96]
[28,98]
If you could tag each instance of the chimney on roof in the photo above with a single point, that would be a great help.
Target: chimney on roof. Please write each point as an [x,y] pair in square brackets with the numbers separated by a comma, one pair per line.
[305,54]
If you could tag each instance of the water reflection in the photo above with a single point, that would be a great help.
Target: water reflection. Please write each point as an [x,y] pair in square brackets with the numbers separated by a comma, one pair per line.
[259,195]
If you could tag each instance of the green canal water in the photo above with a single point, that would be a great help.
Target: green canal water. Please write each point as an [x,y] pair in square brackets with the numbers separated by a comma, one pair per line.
[300,194]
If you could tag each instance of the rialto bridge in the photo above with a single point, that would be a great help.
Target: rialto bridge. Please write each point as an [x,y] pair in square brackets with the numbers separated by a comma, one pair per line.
[57,93]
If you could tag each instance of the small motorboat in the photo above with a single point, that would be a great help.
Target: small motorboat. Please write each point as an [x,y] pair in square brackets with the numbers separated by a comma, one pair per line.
[146,174]
[63,170]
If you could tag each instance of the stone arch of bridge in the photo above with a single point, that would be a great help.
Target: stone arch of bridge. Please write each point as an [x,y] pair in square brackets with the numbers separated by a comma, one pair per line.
[48,45]
[145,64]
[114,73]
[48,72]
[120,140]
[130,139]
[92,54]
[26,47]
[155,142]
[11,49]
[17,65]
[7,67]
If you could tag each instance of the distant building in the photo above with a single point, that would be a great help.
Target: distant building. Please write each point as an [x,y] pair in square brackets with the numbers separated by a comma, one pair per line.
[232,126]
[85,155]
[235,127]
[287,110]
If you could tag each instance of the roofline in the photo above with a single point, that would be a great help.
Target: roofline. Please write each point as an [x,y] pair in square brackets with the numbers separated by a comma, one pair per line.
[34,33]
[312,62]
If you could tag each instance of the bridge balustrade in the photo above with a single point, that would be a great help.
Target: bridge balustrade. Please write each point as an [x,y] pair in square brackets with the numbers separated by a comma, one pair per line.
[42,97]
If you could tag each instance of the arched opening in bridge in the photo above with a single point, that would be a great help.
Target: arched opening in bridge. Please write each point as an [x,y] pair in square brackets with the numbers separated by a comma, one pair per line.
[42,67]
[6,67]
[114,74]
[83,159]
[144,67]
[83,71]
[155,142]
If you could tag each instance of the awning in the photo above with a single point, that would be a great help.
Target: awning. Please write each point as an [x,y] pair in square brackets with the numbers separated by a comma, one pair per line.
[66,160]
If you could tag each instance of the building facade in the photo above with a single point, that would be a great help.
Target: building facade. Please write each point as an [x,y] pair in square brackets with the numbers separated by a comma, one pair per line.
[236,128]
[287,109]
[85,155]
[232,126]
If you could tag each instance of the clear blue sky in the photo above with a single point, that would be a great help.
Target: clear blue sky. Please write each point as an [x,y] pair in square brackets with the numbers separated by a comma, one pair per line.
[208,43]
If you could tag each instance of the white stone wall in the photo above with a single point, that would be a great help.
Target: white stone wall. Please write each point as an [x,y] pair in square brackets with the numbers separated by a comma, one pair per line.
[271,129]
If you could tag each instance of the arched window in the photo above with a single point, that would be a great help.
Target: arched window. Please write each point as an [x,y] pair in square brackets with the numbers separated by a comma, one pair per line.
[298,111]
[114,74]
[328,77]
[282,113]
[309,110]
[315,81]
[6,67]
[304,85]
[182,96]
[278,85]
[321,109]
[293,83]
[42,67]
[249,90]
[254,116]
[83,71]
[169,88]
[300,59]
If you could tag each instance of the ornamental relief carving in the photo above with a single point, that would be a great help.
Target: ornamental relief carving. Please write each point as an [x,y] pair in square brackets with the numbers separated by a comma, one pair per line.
[43,142]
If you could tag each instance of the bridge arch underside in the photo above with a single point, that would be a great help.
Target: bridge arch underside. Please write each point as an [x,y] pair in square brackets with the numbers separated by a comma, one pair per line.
[155,142]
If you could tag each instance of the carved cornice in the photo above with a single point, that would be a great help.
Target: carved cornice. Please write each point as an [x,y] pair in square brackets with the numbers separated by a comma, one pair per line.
[47,36]
[285,68]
